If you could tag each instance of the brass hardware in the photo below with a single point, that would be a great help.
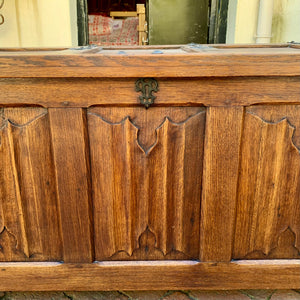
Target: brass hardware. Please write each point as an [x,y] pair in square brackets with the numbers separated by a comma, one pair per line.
[146,86]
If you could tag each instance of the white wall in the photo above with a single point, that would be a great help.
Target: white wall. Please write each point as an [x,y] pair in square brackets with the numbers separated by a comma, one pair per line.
[39,23]
[242,21]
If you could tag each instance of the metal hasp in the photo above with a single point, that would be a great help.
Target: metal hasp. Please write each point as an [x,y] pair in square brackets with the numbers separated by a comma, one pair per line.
[146,86]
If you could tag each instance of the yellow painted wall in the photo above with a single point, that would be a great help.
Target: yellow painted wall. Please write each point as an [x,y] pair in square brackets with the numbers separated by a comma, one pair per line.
[39,23]
[9,34]
[242,21]
[53,23]
[286,21]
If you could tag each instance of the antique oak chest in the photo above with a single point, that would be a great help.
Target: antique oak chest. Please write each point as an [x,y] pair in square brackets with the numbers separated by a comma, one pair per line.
[150,168]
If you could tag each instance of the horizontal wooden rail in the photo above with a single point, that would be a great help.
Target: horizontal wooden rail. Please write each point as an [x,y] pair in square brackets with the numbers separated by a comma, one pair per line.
[206,62]
[85,92]
[150,275]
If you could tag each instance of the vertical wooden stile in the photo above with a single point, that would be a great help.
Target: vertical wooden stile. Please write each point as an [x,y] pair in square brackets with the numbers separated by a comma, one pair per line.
[220,179]
[69,141]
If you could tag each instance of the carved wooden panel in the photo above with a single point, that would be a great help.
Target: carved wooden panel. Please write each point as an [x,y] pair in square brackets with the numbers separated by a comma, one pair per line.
[29,223]
[268,205]
[146,168]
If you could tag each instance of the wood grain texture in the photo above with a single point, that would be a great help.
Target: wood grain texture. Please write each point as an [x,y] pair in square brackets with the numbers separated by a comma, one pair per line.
[268,210]
[209,173]
[70,142]
[29,215]
[164,275]
[220,169]
[276,113]
[147,171]
[85,92]
[145,63]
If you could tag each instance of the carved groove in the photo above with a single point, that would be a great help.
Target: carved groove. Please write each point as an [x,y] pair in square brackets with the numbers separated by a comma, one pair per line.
[275,113]
[279,120]
[269,189]
[127,118]
[28,201]
[140,187]
[285,248]
[16,186]
[147,250]
[9,247]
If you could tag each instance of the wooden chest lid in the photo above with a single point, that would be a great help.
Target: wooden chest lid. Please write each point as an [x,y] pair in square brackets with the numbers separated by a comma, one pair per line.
[190,60]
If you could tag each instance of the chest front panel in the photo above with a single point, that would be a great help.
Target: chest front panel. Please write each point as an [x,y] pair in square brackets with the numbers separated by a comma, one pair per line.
[203,183]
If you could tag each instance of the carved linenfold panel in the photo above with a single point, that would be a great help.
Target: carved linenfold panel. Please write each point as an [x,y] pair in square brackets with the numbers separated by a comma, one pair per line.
[269,186]
[8,247]
[147,250]
[276,113]
[147,169]
[147,122]
[27,192]
[284,249]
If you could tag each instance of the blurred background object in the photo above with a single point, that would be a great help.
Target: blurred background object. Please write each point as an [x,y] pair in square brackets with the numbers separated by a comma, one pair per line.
[64,23]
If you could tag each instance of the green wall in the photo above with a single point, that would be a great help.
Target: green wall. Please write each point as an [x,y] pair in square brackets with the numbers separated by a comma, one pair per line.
[177,21]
